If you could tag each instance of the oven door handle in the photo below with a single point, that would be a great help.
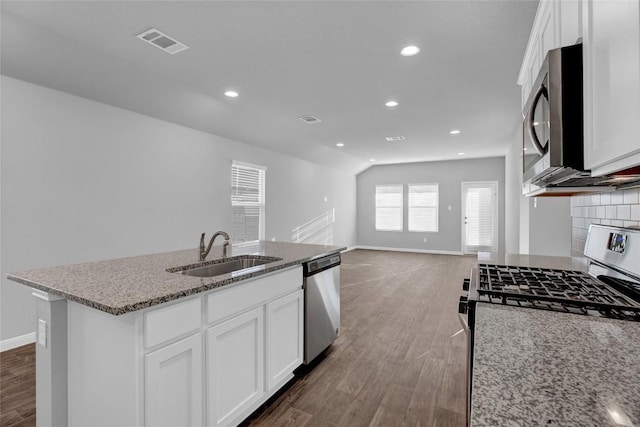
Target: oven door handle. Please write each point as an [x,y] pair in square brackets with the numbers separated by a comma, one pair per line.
[463,308]
[464,322]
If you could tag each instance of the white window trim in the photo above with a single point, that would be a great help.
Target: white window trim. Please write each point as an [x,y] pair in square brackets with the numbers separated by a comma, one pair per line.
[375,207]
[247,165]
[261,219]
[437,230]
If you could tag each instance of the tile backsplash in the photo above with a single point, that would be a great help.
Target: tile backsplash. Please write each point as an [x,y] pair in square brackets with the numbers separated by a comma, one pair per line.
[620,208]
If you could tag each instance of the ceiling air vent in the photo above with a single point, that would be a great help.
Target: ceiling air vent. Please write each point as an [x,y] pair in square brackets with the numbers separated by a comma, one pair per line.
[162,41]
[310,119]
[395,138]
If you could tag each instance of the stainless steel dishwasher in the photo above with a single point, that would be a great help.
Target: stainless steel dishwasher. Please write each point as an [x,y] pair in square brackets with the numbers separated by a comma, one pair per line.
[321,305]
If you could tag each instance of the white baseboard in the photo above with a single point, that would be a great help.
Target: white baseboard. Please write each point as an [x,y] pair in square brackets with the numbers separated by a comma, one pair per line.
[350,248]
[14,342]
[420,251]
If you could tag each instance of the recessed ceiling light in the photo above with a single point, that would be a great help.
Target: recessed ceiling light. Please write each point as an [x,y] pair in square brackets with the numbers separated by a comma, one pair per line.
[372,160]
[339,144]
[454,132]
[391,103]
[525,148]
[410,51]
[231,94]
[395,138]
[460,154]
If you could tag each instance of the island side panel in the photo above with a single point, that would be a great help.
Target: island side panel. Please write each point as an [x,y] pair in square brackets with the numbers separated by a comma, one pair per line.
[105,367]
[51,359]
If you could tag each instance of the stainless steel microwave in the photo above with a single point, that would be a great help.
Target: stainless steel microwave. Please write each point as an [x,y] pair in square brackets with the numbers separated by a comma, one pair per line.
[552,149]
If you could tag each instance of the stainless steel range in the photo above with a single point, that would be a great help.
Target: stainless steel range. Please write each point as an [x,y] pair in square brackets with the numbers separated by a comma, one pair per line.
[610,288]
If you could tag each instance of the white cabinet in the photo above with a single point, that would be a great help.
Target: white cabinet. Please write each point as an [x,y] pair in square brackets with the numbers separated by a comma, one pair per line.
[208,359]
[285,337]
[173,384]
[611,84]
[557,23]
[235,357]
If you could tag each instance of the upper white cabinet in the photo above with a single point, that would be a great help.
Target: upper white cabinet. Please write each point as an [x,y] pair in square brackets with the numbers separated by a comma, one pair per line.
[611,84]
[557,23]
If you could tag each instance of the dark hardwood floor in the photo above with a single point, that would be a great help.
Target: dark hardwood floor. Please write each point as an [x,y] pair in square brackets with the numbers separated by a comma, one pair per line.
[18,386]
[400,359]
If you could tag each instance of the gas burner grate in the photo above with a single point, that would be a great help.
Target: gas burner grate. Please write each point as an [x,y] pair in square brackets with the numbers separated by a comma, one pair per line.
[573,291]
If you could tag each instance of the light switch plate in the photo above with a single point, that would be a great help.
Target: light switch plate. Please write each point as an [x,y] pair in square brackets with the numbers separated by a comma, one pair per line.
[42,332]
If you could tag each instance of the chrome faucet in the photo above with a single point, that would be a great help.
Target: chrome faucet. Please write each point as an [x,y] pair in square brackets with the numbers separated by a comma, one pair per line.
[204,253]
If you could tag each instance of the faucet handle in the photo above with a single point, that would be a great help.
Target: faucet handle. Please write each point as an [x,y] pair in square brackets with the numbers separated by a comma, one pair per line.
[202,241]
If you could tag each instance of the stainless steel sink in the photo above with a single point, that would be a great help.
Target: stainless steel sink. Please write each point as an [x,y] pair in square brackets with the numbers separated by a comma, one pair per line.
[242,264]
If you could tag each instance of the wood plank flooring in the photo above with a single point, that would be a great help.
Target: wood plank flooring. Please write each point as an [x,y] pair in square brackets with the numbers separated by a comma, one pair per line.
[397,362]
[18,386]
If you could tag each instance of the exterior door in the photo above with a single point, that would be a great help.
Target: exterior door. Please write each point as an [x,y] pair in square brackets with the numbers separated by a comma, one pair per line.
[480,216]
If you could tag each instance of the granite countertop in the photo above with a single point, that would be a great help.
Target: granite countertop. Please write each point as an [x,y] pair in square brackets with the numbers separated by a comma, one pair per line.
[536,367]
[124,285]
[556,262]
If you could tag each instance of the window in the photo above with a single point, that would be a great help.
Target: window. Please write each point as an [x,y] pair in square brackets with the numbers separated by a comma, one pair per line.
[423,207]
[389,207]
[247,201]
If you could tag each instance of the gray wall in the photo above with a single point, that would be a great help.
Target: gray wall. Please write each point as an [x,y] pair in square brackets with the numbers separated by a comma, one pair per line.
[513,196]
[535,226]
[84,181]
[449,175]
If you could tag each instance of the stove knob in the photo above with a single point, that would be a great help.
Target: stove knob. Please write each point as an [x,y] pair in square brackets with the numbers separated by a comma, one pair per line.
[463,305]
[465,284]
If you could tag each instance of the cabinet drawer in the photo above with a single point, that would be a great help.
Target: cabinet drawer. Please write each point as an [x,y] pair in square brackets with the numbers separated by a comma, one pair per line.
[226,302]
[170,322]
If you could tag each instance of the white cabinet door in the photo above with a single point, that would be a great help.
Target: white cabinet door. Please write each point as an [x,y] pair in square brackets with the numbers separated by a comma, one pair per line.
[570,22]
[173,384]
[285,337]
[548,36]
[235,364]
[611,31]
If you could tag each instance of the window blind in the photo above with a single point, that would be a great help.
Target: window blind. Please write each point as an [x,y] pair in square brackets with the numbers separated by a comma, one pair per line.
[389,202]
[423,207]
[247,202]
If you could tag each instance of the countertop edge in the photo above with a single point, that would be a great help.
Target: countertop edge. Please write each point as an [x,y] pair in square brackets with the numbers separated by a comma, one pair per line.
[129,308]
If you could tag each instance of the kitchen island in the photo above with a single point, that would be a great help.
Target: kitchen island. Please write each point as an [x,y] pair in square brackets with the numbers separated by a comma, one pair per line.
[133,341]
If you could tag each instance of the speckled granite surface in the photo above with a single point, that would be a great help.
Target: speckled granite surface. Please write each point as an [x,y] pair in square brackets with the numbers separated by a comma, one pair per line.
[123,285]
[562,263]
[536,367]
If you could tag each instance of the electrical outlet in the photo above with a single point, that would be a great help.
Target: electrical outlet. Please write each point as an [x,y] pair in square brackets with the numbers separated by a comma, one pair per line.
[424,240]
[42,332]
[273,239]
[449,207]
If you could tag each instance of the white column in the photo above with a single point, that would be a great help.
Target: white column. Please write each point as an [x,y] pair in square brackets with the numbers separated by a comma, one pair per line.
[51,359]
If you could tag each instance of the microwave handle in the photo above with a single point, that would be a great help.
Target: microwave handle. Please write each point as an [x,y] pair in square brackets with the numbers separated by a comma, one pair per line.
[542,90]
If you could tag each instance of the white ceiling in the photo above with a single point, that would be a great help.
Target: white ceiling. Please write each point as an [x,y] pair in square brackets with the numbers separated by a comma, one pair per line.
[336,60]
